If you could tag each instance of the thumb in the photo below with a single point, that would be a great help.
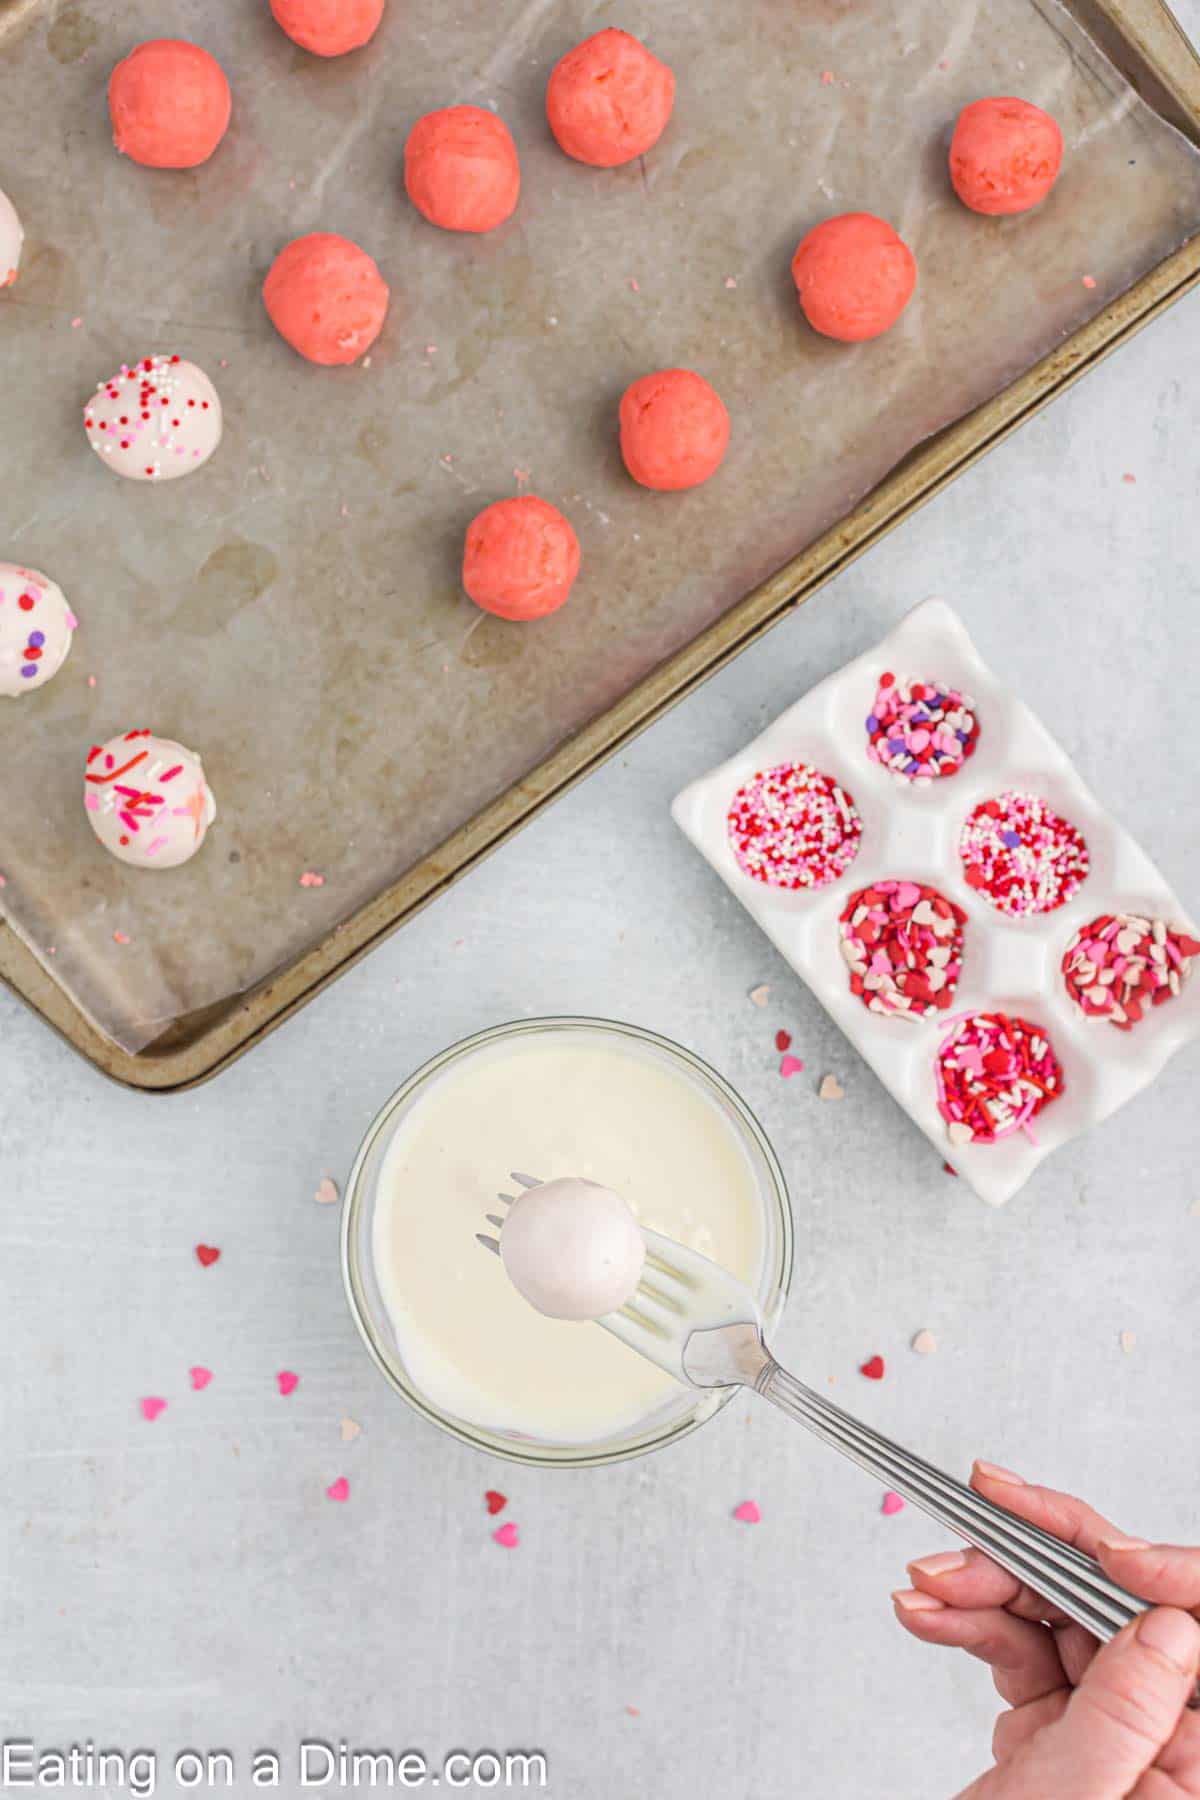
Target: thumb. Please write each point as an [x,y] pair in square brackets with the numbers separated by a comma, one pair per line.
[1121,1715]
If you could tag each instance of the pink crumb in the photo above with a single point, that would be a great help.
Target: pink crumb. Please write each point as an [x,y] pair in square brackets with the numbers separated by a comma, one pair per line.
[75,324]
[748,1513]
[633,284]
[1089,281]
[1131,479]
[91,681]
[731,281]
[119,937]
[827,78]
[310,878]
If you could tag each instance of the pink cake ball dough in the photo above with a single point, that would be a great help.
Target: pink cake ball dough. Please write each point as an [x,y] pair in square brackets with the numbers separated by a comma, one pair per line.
[326,297]
[609,100]
[521,558]
[461,169]
[170,103]
[674,430]
[328,27]
[854,276]
[1004,156]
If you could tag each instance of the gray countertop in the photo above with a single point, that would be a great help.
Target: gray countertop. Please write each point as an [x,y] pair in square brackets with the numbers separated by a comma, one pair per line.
[186,1584]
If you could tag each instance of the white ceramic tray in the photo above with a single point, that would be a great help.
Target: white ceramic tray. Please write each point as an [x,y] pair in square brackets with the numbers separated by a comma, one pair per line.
[1009,964]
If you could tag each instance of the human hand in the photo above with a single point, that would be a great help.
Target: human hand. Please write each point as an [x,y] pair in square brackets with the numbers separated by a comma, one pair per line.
[1085,1722]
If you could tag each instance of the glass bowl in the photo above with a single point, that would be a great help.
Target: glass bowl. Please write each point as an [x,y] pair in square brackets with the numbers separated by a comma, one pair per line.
[681,1414]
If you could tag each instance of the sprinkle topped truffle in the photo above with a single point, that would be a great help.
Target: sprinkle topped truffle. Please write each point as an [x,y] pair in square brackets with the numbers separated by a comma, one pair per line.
[920,730]
[1022,857]
[1121,963]
[155,419]
[147,799]
[994,1075]
[903,945]
[793,827]
[35,629]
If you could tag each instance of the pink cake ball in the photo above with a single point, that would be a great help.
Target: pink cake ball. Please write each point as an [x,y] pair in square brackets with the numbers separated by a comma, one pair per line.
[461,169]
[326,297]
[1005,155]
[521,558]
[674,430]
[170,104]
[609,100]
[854,276]
[328,27]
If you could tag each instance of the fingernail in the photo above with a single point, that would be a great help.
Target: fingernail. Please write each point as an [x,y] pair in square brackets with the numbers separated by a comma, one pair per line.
[993,1472]
[1173,1634]
[941,1564]
[910,1600]
[1123,1543]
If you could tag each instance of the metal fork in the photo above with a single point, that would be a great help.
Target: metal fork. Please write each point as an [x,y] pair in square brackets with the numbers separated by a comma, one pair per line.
[703,1326]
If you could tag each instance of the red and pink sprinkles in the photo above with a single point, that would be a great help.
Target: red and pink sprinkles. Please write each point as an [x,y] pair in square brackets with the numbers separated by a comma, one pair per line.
[902,942]
[793,827]
[994,1075]
[1118,965]
[1021,856]
[920,730]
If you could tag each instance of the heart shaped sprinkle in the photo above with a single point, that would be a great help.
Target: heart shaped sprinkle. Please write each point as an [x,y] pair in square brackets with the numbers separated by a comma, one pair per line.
[507,1536]
[288,1383]
[924,1343]
[830,1089]
[760,995]
[1129,1342]
[350,1430]
[200,1377]
[494,1501]
[790,1065]
[872,1368]
[892,1504]
[207,1255]
[748,1513]
[151,1407]
[339,1491]
[783,1040]
[327,1192]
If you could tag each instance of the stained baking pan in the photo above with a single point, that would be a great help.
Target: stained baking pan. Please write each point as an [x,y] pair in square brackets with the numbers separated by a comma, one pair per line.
[292,610]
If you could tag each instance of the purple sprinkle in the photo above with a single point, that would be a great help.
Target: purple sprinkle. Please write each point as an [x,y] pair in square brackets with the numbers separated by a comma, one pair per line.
[29,671]
[896,745]
[872,724]
[962,736]
[1010,838]
[37,639]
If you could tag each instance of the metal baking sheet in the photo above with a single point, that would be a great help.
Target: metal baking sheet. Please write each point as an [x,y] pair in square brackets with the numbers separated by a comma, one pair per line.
[293,610]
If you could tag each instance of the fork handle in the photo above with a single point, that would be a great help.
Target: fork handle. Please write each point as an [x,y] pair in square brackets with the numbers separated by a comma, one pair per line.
[1071,1581]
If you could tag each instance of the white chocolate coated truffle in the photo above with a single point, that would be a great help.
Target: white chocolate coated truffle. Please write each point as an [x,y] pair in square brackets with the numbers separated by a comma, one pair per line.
[12,236]
[36,626]
[572,1248]
[147,799]
[154,420]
